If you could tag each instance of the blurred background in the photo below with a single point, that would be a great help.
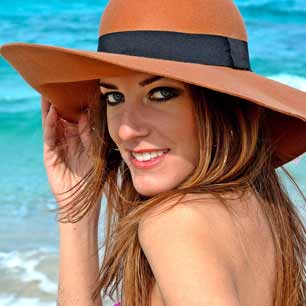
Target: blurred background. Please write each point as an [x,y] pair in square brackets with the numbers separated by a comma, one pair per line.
[28,230]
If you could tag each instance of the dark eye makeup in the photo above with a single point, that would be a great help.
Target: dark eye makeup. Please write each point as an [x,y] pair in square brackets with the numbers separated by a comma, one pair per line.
[162,94]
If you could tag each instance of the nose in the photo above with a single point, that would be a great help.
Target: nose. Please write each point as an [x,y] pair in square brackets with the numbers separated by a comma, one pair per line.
[132,125]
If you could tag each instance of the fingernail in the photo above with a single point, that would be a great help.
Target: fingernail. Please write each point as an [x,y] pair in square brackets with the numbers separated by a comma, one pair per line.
[52,109]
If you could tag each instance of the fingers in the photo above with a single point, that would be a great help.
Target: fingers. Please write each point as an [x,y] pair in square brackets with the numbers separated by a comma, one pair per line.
[50,123]
[85,130]
[71,137]
[45,106]
[56,128]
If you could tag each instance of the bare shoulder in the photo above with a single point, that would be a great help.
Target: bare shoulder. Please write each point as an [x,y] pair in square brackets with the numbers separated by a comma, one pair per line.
[190,248]
[203,216]
[202,253]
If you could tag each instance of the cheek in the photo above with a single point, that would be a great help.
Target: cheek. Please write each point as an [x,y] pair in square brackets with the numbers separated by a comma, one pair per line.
[183,125]
[112,131]
[188,135]
[112,124]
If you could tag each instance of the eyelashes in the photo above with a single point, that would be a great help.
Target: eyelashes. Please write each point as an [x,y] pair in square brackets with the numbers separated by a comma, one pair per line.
[158,95]
[166,93]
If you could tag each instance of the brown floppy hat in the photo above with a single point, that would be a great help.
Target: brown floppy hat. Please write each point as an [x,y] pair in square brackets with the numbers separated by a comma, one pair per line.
[201,42]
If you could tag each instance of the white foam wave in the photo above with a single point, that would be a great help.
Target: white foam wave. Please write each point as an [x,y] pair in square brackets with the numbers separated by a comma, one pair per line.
[24,264]
[291,80]
[9,300]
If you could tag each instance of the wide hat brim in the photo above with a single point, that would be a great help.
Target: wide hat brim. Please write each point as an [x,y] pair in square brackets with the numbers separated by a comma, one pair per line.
[67,77]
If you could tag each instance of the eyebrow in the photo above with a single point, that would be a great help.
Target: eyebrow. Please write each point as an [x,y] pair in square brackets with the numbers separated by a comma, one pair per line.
[142,83]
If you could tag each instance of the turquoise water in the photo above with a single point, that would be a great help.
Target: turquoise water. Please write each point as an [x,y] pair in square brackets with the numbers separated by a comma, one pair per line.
[277,45]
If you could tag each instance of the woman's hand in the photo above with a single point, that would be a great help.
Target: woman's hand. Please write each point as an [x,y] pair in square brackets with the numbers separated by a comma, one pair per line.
[66,150]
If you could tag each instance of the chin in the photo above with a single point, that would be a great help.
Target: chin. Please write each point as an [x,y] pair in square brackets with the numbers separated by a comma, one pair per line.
[151,185]
[150,190]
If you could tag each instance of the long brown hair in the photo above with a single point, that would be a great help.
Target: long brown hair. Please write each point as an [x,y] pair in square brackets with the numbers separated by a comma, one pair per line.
[235,156]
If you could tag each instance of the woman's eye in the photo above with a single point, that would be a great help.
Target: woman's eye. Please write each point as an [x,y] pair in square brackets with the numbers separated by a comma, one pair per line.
[113,98]
[158,95]
[163,93]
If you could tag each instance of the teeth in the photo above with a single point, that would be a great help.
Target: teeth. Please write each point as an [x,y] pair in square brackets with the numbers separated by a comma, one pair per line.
[147,156]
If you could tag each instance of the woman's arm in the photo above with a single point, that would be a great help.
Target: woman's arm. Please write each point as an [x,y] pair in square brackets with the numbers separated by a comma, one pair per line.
[65,166]
[79,263]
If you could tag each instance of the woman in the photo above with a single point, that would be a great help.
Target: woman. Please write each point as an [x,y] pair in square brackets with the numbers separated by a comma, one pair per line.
[201,217]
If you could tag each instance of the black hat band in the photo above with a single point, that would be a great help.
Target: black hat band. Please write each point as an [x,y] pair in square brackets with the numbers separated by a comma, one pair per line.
[183,47]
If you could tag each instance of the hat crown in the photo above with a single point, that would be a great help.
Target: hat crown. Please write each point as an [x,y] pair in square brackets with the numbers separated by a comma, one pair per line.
[215,17]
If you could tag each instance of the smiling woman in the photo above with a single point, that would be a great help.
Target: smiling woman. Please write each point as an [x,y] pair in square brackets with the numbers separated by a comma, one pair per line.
[149,120]
[183,140]
[218,162]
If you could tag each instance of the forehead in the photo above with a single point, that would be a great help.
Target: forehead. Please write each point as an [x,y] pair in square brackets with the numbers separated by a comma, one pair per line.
[133,77]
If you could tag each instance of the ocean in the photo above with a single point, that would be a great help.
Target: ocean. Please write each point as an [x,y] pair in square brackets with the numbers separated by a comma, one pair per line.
[28,230]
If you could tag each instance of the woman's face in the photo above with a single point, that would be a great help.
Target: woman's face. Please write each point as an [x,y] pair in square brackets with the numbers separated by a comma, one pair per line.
[153,114]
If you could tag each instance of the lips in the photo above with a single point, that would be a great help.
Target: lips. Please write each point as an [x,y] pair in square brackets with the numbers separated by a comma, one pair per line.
[149,163]
[149,150]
